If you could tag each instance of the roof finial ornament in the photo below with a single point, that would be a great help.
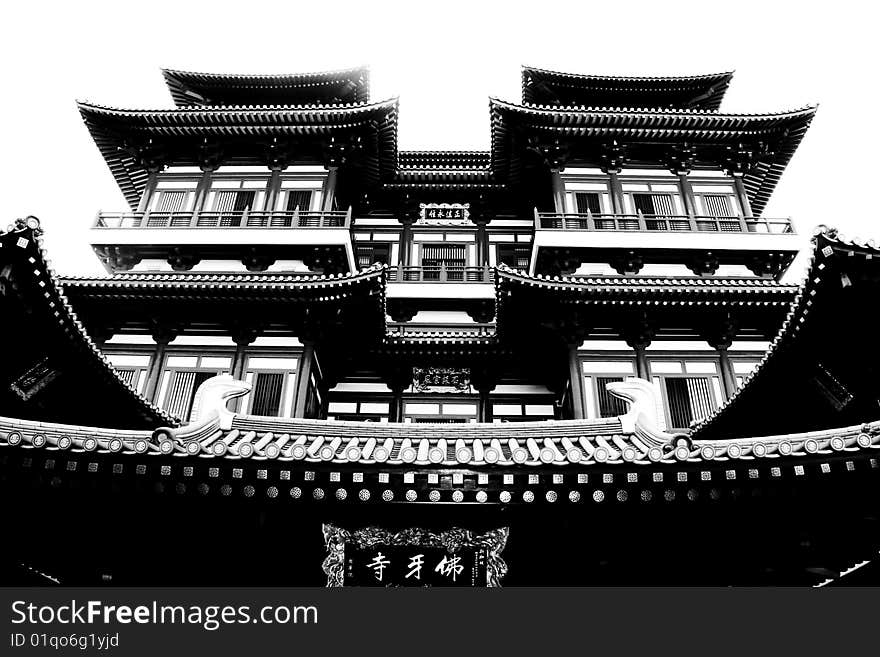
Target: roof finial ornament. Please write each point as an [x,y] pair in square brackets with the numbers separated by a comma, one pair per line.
[641,417]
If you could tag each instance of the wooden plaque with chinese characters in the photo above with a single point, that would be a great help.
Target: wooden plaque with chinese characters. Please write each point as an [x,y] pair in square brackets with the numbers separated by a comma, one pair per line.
[413,557]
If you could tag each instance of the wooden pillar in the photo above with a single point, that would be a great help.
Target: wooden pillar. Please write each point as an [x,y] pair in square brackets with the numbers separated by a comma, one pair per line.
[154,372]
[728,378]
[149,189]
[558,190]
[687,195]
[396,408]
[616,188]
[329,192]
[484,407]
[406,240]
[642,369]
[741,194]
[303,378]
[576,385]
[272,190]
[482,243]
[202,190]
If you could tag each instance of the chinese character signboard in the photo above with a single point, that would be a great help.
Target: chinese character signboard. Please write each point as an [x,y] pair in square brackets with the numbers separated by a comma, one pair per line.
[444,214]
[413,557]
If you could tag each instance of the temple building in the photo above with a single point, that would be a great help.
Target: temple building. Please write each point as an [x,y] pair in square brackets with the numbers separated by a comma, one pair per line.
[315,357]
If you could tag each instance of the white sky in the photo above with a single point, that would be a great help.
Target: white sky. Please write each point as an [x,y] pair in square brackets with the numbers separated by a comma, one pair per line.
[444,60]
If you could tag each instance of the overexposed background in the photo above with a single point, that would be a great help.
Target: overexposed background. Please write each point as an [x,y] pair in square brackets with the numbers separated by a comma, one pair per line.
[443,59]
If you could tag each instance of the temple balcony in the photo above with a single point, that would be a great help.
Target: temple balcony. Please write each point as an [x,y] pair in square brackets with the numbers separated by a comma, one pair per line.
[628,241]
[320,239]
[439,274]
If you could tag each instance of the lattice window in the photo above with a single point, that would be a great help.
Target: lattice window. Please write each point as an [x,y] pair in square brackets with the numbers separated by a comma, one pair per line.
[516,257]
[607,404]
[688,399]
[266,395]
[182,391]
[587,202]
[299,198]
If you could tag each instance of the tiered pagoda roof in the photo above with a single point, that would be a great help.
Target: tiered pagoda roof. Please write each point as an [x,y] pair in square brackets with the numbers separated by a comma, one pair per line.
[572,117]
[132,140]
[699,92]
[581,134]
[340,87]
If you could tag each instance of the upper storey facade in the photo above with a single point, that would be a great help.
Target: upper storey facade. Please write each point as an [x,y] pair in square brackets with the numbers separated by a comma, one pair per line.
[588,175]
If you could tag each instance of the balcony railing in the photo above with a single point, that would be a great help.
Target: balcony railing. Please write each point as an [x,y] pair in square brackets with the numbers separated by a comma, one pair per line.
[407,330]
[439,274]
[227,219]
[660,223]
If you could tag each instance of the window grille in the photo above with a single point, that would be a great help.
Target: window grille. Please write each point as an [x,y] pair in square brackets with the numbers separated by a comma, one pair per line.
[717,205]
[182,391]
[688,399]
[443,256]
[129,375]
[609,405]
[516,257]
[299,198]
[266,393]
[587,202]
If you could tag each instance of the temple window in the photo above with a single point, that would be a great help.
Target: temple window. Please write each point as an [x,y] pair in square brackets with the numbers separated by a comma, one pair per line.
[515,257]
[690,389]
[272,380]
[587,202]
[742,368]
[131,368]
[716,200]
[173,196]
[362,411]
[181,378]
[509,411]
[599,373]
[443,412]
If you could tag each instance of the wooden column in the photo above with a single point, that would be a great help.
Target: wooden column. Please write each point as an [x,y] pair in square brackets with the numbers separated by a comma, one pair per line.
[150,187]
[303,377]
[484,407]
[639,336]
[642,369]
[406,240]
[202,189]
[687,194]
[558,190]
[482,243]
[329,191]
[616,188]
[395,413]
[728,377]
[272,190]
[742,195]
[162,338]
[576,385]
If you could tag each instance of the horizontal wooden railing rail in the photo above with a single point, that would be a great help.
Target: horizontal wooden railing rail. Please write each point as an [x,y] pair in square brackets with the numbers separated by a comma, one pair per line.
[439,274]
[225,219]
[660,223]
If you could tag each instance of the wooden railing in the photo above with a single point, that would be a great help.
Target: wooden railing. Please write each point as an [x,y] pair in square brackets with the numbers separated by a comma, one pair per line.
[660,223]
[439,274]
[407,330]
[228,219]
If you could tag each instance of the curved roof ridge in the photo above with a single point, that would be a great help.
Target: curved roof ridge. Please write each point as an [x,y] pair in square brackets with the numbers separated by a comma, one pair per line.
[307,74]
[53,295]
[798,313]
[593,76]
[532,107]
[220,109]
